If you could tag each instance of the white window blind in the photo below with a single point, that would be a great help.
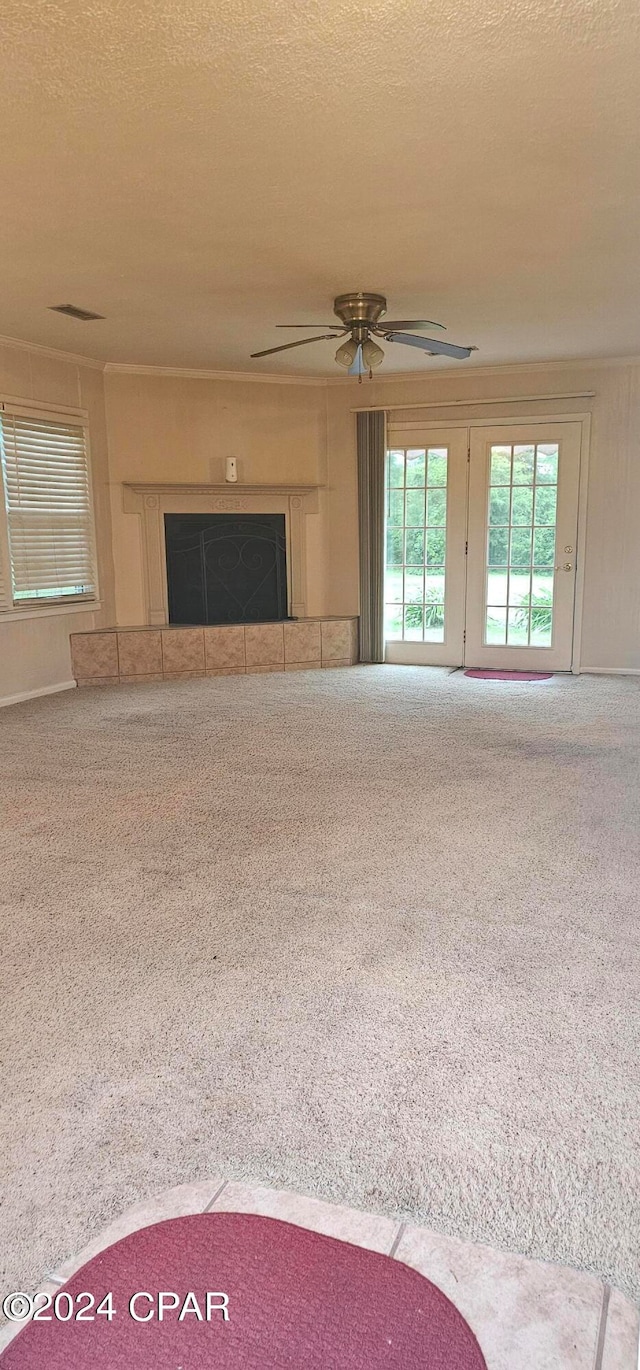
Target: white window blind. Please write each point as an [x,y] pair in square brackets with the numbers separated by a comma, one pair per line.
[48,504]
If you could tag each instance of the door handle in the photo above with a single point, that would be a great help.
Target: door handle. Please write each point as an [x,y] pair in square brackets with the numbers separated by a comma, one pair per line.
[567,566]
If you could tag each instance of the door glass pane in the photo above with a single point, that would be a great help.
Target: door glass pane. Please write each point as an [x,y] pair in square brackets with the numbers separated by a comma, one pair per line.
[436,545]
[520,547]
[541,622]
[541,612]
[498,546]
[395,468]
[395,543]
[521,537]
[496,626]
[500,465]
[518,627]
[393,622]
[437,466]
[523,464]
[544,546]
[414,509]
[522,505]
[437,508]
[415,466]
[414,582]
[499,505]
[497,581]
[413,620]
[547,463]
[394,585]
[395,508]
[546,504]
[414,547]
[413,585]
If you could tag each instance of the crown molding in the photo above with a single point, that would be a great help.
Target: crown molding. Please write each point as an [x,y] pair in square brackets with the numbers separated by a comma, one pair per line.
[195,374]
[75,358]
[283,378]
[498,369]
[387,378]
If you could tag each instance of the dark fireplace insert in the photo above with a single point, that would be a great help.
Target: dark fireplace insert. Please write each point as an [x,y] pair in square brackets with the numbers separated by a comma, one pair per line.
[226,568]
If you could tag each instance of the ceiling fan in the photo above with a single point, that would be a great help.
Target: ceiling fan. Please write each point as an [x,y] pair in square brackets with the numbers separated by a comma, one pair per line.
[361,314]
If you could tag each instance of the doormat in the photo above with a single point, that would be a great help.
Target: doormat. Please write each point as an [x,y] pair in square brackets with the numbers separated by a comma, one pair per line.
[241,1292]
[477,674]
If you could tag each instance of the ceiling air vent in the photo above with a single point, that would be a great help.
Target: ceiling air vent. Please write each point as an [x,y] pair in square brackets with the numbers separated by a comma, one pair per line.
[75,313]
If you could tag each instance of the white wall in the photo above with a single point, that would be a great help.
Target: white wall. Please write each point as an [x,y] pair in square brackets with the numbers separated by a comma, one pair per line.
[34,647]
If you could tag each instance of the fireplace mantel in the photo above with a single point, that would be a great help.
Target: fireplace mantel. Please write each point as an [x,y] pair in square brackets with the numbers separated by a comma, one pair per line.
[152,502]
[232,488]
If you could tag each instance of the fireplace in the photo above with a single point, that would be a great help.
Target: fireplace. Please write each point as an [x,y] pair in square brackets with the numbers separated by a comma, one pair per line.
[226,568]
[297,505]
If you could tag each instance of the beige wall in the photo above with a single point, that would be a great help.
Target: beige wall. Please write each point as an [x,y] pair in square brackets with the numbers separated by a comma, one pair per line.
[171,429]
[34,648]
[611,607]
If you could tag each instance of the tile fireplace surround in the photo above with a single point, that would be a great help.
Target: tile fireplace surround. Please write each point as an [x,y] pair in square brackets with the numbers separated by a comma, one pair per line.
[125,656]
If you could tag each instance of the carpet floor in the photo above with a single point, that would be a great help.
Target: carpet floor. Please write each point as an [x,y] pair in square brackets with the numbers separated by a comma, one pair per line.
[368,934]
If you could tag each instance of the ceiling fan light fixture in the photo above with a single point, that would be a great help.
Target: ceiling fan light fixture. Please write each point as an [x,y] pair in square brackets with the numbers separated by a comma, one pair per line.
[346,353]
[372,355]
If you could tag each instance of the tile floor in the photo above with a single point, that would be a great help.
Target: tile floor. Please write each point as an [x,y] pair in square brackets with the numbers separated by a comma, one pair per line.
[527,1315]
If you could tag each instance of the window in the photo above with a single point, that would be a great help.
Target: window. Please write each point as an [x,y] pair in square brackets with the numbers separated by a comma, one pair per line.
[416,520]
[521,542]
[47,501]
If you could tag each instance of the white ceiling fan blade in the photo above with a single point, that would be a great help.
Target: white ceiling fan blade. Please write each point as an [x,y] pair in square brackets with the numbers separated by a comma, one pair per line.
[410,323]
[267,351]
[431,345]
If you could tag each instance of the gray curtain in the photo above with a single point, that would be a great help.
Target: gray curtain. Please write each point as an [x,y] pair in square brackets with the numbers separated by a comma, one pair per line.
[371,441]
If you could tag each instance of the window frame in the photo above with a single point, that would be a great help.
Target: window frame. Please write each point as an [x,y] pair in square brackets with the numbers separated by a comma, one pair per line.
[10,610]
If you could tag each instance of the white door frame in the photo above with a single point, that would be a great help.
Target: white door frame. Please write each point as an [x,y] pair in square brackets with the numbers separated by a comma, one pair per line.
[584,419]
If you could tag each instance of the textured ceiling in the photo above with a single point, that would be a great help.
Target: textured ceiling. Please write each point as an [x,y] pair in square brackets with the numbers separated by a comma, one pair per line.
[201,170]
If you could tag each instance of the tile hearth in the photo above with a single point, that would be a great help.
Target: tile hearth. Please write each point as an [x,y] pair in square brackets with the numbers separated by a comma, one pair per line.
[148,655]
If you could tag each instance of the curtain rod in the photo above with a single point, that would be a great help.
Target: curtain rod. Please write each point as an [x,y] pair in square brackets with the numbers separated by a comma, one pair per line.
[501,399]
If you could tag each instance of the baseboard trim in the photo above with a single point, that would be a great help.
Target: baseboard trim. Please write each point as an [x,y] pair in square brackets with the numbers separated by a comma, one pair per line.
[35,694]
[609,670]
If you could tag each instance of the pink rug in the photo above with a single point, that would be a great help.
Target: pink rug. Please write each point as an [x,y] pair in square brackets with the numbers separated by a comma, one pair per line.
[295,1298]
[477,674]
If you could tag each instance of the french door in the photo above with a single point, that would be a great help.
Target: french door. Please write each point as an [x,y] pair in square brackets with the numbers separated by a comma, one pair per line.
[522,531]
[426,522]
[481,529]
